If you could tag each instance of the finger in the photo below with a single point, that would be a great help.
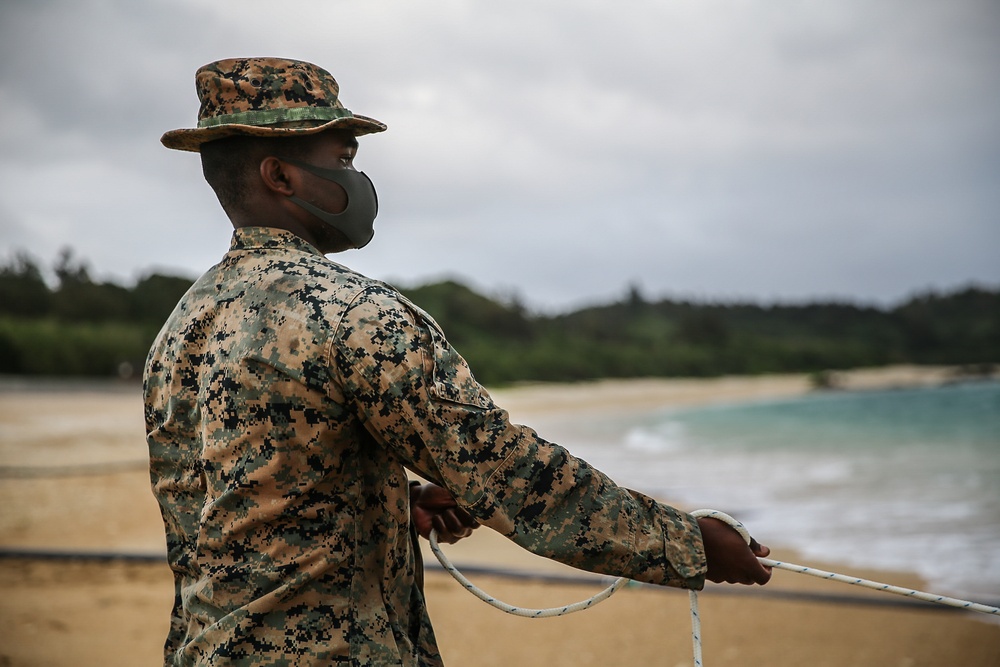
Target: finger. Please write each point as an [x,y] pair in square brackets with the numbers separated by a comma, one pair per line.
[763,576]
[466,518]
[443,534]
[451,521]
[450,532]
[761,573]
[758,549]
[421,522]
[432,496]
[436,501]
[455,524]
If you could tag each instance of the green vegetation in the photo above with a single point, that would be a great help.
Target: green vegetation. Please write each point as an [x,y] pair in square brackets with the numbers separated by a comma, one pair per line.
[636,338]
[83,327]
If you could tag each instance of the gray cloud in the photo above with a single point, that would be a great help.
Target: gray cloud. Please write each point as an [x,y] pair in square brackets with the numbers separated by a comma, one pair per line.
[561,150]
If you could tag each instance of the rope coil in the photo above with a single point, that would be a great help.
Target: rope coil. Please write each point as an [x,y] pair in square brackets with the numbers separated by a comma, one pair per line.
[696,637]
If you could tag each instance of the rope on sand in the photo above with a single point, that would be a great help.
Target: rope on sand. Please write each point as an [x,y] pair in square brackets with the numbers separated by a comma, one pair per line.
[695,617]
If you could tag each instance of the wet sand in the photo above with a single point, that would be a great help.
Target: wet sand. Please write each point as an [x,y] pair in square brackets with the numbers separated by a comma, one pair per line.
[73,477]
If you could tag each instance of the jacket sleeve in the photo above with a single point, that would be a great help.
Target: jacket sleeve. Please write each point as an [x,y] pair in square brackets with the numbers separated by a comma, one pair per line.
[418,398]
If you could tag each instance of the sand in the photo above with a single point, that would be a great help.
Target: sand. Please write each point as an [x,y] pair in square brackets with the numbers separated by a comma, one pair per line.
[73,477]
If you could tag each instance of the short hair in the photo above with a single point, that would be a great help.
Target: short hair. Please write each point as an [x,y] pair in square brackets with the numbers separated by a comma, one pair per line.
[231,164]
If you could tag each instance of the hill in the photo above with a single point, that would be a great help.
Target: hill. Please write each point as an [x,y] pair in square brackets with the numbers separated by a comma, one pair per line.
[86,327]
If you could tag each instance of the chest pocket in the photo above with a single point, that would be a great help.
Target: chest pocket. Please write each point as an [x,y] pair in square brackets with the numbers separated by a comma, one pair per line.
[451,378]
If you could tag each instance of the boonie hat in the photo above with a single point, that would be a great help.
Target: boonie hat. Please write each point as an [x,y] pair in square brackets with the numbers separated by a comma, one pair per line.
[266,97]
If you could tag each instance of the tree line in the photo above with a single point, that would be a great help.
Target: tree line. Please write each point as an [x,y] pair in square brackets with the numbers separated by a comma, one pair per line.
[85,327]
[80,327]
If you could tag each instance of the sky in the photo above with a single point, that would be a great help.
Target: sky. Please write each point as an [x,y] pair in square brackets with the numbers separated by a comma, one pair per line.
[553,151]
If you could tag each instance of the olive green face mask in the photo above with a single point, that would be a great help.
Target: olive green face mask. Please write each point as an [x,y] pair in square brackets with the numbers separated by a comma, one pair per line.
[356,222]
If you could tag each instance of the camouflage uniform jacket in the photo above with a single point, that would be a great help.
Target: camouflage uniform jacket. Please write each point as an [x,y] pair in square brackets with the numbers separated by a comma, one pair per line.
[284,399]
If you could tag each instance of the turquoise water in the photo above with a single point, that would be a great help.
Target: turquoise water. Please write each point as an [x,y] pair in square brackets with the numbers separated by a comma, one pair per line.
[902,479]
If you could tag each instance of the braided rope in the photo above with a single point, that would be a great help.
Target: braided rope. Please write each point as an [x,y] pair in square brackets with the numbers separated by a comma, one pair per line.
[844,579]
[521,611]
[885,588]
[693,595]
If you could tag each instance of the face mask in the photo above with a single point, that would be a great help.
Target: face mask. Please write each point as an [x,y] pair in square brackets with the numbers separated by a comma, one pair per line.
[357,220]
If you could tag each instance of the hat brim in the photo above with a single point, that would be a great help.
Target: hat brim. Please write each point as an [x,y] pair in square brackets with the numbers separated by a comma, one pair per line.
[192,139]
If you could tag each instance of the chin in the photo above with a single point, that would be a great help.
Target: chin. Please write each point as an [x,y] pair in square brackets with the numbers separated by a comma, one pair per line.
[332,242]
[336,245]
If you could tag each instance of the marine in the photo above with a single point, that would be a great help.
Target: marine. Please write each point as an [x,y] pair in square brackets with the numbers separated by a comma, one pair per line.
[290,402]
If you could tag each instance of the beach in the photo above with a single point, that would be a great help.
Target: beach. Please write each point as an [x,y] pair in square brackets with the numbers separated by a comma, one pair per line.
[73,478]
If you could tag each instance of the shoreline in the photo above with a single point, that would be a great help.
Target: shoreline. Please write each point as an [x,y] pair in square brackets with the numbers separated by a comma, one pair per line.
[642,394]
[60,611]
[97,427]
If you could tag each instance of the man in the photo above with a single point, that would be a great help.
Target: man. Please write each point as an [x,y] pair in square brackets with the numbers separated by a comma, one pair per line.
[287,396]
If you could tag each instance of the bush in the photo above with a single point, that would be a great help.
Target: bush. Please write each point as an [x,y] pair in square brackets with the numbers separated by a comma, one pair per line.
[50,347]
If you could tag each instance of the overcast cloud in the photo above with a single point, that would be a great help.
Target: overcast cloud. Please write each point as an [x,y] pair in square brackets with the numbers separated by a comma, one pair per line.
[558,150]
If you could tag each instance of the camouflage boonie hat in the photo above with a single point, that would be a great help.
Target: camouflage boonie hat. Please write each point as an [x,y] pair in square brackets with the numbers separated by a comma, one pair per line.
[266,97]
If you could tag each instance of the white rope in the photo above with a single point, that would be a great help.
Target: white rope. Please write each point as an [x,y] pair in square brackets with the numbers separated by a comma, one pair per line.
[695,627]
[885,588]
[801,569]
[521,611]
[844,579]
[695,617]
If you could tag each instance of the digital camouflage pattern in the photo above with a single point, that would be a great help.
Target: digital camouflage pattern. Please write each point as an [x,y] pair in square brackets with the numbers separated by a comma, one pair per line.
[267,97]
[285,398]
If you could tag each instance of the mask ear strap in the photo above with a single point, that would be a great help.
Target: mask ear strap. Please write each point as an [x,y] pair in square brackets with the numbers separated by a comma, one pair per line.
[342,177]
[312,169]
[315,210]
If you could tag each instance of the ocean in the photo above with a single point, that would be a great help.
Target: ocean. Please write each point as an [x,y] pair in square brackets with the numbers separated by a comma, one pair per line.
[905,479]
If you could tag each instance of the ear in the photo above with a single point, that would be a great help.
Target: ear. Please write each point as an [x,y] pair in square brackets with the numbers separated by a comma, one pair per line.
[277,176]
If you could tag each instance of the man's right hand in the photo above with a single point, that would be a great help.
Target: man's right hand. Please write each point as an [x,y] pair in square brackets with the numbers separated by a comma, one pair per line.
[730,559]
[432,506]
